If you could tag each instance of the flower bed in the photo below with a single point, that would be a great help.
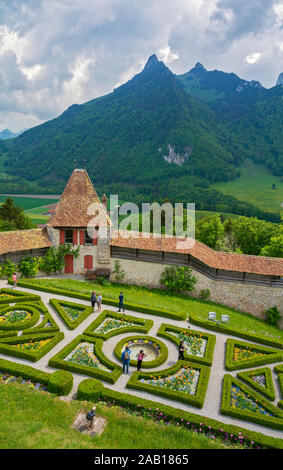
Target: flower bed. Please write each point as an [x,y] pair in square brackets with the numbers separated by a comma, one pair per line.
[83,355]
[260,380]
[242,402]
[109,324]
[72,314]
[82,364]
[241,355]
[8,296]
[19,318]
[6,378]
[31,347]
[58,382]
[161,351]
[200,346]
[186,382]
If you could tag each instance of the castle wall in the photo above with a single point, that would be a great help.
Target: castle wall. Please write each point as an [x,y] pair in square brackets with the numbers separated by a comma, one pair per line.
[251,298]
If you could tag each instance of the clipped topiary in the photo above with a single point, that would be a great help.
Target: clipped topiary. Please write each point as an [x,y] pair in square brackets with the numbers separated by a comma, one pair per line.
[90,389]
[60,382]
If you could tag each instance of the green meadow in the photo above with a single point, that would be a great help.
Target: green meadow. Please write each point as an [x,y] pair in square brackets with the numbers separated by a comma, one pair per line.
[255,186]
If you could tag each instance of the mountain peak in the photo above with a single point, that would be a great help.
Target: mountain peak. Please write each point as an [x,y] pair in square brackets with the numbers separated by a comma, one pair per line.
[199,66]
[152,60]
[280,79]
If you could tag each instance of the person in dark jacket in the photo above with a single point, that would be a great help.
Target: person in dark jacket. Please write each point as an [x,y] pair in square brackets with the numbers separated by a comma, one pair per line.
[182,348]
[93,300]
[121,302]
[125,357]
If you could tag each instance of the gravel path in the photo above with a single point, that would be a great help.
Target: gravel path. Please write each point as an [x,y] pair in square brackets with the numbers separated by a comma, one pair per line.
[212,402]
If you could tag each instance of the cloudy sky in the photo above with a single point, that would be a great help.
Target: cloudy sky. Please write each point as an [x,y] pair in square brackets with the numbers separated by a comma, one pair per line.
[54,53]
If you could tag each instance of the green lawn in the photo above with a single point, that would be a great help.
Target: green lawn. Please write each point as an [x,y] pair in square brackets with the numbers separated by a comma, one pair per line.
[157,298]
[42,421]
[28,203]
[255,186]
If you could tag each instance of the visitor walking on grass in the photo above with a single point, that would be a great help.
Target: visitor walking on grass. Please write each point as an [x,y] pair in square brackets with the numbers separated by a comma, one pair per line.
[182,348]
[93,300]
[121,302]
[141,356]
[125,357]
[99,302]
[14,277]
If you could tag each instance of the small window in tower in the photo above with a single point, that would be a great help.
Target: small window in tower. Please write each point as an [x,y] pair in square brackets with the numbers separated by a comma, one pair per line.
[69,236]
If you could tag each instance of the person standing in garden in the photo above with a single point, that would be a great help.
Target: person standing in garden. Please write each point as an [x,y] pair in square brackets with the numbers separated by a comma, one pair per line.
[93,300]
[121,302]
[99,302]
[141,356]
[14,277]
[182,348]
[125,357]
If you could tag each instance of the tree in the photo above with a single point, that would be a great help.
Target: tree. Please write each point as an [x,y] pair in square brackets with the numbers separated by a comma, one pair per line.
[14,215]
[210,230]
[273,316]
[29,266]
[252,234]
[118,271]
[8,268]
[274,249]
[178,279]
[54,259]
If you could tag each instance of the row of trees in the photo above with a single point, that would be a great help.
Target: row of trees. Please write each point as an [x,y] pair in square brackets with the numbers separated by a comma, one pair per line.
[247,235]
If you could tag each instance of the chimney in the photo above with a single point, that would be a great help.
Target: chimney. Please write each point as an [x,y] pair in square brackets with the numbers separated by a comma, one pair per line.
[104,202]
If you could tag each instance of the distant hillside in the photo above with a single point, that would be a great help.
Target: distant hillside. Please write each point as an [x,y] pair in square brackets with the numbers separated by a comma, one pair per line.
[149,139]
[7,134]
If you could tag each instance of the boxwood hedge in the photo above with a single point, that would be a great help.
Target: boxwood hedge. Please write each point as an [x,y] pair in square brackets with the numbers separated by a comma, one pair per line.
[148,364]
[194,400]
[7,345]
[46,318]
[93,390]
[268,391]
[275,421]
[141,325]
[58,361]
[58,306]
[228,329]
[107,301]
[59,384]
[269,355]
[165,330]
[17,296]
[21,325]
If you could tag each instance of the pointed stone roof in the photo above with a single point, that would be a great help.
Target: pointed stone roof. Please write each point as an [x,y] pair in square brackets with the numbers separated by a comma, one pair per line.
[73,208]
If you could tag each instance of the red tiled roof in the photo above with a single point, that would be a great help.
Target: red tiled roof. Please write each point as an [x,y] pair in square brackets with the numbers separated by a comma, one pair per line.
[214,259]
[20,240]
[78,196]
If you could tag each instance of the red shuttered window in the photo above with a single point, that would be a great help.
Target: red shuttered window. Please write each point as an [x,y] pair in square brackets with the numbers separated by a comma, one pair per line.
[82,237]
[75,237]
[88,262]
[62,237]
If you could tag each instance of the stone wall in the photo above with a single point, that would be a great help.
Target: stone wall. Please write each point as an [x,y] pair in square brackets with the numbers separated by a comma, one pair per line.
[251,298]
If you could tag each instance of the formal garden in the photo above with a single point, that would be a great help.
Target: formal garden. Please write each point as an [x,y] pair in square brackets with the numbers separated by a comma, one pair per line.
[227,390]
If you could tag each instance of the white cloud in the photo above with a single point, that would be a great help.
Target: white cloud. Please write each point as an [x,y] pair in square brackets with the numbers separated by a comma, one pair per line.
[54,53]
[253,58]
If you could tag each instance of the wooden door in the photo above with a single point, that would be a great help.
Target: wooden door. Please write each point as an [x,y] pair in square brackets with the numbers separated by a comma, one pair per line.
[69,264]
